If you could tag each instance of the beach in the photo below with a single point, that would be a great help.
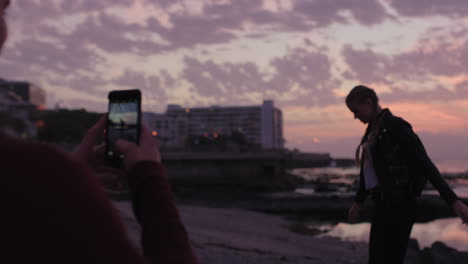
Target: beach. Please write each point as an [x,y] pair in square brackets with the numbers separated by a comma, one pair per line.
[236,236]
[232,233]
[234,224]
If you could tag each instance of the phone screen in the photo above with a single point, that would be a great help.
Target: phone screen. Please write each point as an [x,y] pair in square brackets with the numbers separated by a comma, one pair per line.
[123,123]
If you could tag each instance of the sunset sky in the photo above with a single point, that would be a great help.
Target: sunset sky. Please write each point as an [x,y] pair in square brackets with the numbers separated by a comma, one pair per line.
[304,54]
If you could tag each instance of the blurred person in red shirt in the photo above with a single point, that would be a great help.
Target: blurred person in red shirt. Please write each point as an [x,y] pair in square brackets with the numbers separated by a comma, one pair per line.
[55,209]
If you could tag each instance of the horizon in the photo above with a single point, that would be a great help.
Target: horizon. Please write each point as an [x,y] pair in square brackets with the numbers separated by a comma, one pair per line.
[304,55]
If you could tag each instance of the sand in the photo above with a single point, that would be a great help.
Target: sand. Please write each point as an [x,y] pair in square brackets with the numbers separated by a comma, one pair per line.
[234,236]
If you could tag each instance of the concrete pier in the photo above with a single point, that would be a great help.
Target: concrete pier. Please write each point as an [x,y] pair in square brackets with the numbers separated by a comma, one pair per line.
[226,168]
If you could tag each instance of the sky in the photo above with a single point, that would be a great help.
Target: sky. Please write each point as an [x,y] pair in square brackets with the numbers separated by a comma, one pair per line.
[305,55]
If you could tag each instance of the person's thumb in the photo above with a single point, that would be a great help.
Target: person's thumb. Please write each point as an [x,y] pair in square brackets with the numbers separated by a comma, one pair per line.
[124,146]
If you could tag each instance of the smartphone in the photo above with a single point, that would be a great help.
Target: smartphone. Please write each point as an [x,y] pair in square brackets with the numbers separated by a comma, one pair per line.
[123,122]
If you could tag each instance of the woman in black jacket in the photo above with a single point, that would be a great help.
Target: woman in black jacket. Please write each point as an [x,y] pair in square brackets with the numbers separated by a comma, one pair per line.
[394,170]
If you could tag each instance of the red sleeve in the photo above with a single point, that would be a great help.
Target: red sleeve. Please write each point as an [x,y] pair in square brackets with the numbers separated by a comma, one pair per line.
[55,211]
[164,237]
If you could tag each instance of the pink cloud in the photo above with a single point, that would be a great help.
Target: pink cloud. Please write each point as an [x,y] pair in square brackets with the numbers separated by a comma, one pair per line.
[455,8]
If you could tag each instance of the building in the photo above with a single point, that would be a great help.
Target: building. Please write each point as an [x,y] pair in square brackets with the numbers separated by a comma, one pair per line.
[261,125]
[25,92]
[15,115]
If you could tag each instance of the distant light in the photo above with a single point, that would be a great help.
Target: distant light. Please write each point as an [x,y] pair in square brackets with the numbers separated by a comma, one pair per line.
[316,140]
[154,133]
[187,110]
[216,135]
[40,123]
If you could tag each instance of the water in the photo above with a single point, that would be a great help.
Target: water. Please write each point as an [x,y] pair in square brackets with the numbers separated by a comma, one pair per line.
[452,166]
[450,231]
[342,179]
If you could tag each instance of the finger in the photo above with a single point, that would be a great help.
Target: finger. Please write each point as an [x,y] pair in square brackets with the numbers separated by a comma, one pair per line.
[100,124]
[113,184]
[145,133]
[99,151]
[107,178]
[95,133]
[101,148]
[123,146]
[148,138]
[110,170]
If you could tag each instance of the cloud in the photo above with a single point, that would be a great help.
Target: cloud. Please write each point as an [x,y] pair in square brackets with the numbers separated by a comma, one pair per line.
[191,30]
[90,85]
[365,65]
[33,52]
[310,71]
[436,68]
[301,75]
[226,82]
[222,22]
[305,75]
[451,8]
[95,23]
[324,13]
[150,85]
[26,13]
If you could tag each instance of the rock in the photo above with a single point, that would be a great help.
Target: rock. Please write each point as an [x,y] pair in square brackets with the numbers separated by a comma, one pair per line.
[439,253]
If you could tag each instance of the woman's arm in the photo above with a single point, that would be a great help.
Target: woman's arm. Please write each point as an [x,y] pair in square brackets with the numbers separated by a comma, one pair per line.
[164,238]
[416,153]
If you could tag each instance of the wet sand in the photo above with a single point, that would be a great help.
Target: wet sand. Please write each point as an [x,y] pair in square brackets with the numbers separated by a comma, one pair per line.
[236,236]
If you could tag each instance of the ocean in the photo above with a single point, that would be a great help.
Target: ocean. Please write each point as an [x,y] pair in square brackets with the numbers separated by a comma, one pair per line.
[450,231]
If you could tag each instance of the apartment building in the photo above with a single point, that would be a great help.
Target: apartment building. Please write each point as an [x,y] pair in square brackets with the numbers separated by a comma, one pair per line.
[261,125]
[16,115]
[24,92]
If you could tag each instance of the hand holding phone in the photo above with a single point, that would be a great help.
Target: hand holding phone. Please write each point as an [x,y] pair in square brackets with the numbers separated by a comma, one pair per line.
[148,150]
[91,152]
[123,122]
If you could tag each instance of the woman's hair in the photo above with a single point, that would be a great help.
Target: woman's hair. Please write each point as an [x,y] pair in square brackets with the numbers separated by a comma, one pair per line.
[360,93]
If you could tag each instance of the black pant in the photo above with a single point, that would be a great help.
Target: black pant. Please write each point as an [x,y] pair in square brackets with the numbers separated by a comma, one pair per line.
[392,222]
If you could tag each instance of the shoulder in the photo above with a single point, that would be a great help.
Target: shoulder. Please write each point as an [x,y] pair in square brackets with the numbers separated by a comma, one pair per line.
[13,148]
[44,172]
[25,158]
[396,124]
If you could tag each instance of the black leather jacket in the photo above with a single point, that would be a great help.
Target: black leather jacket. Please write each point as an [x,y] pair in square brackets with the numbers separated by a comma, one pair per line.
[401,162]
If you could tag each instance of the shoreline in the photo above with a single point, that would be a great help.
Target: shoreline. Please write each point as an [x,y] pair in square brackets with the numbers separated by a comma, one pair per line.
[326,206]
[238,236]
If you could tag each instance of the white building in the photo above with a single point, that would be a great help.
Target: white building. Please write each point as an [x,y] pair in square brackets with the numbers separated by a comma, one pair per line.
[261,125]
[25,92]
[15,108]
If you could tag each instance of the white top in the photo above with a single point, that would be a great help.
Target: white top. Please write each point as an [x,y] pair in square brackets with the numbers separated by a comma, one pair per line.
[370,178]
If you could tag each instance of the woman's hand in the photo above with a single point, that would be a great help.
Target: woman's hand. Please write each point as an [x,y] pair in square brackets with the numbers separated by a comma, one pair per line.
[147,150]
[91,153]
[354,212]
[461,210]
